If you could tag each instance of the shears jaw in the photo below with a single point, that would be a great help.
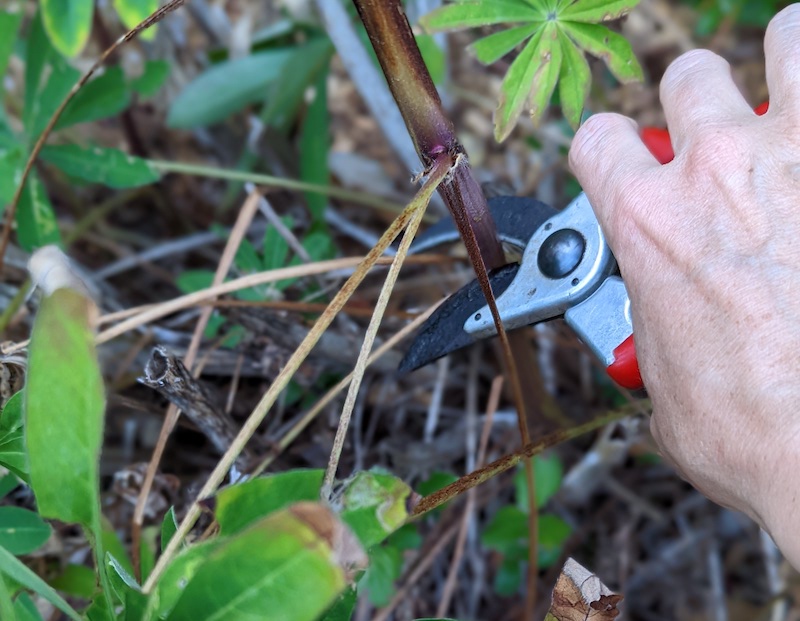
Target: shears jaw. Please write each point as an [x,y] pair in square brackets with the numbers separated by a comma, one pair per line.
[565,261]
[443,332]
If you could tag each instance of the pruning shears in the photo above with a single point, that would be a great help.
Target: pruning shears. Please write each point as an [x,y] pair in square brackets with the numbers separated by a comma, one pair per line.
[567,270]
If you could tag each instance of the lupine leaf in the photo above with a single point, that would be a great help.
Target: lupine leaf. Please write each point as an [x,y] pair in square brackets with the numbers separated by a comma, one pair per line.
[547,61]
[515,89]
[611,47]
[492,48]
[594,11]
[481,13]
[575,80]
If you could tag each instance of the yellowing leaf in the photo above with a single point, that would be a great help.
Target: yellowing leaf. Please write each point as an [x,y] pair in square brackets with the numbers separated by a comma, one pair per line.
[132,12]
[64,405]
[290,565]
[68,23]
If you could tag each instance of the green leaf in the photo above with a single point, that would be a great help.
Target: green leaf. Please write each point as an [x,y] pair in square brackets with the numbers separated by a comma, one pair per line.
[126,590]
[433,56]
[68,24]
[226,88]
[516,88]
[6,605]
[12,567]
[276,250]
[576,78]
[168,528]
[148,548]
[194,280]
[594,10]
[548,61]
[507,531]
[374,506]
[77,581]
[48,79]
[152,79]
[303,68]
[343,607]
[105,96]
[240,505]
[470,14]
[36,220]
[64,405]
[385,565]
[314,147]
[508,578]
[282,567]
[10,20]
[22,531]
[611,47]
[110,167]
[8,483]
[492,48]
[11,416]
[553,532]
[178,574]
[131,12]
[246,258]
[26,609]
[548,473]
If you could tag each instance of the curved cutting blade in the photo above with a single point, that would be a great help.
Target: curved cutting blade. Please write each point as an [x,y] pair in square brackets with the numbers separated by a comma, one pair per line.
[443,332]
[516,218]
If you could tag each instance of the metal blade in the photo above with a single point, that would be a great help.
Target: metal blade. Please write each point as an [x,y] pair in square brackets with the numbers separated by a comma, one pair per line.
[517,218]
[443,332]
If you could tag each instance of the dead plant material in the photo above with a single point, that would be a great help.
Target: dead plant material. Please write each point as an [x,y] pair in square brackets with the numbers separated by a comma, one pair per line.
[167,375]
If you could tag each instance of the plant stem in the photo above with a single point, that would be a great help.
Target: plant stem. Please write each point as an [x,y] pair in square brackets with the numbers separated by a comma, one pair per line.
[430,129]
[277,182]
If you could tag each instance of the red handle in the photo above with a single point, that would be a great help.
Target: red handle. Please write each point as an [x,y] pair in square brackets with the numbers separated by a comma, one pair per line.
[657,140]
[625,368]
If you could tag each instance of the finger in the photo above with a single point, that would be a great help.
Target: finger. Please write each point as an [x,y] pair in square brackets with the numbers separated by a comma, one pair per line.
[609,159]
[782,52]
[697,91]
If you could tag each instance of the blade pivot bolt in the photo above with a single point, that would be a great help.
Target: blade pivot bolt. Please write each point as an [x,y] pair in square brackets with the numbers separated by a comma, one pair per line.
[561,253]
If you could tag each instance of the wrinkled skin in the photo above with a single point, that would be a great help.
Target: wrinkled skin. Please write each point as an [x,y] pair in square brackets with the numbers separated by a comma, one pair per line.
[709,247]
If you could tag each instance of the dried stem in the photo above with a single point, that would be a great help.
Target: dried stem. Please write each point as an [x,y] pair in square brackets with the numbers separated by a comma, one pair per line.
[441,167]
[267,401]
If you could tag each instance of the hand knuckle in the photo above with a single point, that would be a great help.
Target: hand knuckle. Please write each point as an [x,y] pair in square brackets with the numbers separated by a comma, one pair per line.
[597,130]
[681,75]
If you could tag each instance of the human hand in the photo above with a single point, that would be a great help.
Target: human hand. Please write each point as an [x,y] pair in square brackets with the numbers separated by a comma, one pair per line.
[709,247]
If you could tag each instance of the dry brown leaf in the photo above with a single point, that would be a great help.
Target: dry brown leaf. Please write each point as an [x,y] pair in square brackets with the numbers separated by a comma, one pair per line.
[580,596]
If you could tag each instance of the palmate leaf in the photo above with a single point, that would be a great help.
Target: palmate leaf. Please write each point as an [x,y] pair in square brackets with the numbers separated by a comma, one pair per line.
[558,34]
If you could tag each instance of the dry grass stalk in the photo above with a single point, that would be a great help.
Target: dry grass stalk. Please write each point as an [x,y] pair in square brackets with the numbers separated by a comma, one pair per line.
[291,366]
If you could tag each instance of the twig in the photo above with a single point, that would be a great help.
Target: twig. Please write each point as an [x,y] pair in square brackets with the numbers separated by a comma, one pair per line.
[243,221]
[329,396]
[11,210]
[469,509]
[262,408]
[439,171]
[432,417]
[277,182]
[503,464]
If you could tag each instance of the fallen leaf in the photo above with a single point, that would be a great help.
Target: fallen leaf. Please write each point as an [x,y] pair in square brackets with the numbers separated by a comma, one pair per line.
[579,595]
